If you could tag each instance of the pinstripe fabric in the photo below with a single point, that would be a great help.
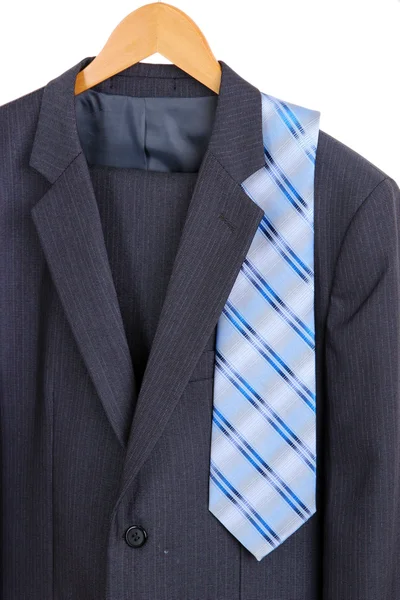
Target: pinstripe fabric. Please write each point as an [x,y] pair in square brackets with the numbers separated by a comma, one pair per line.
[62,452]
[263,444]
[144,210]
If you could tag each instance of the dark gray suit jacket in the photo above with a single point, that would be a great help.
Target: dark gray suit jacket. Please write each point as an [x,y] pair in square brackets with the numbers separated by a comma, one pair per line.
[106,379]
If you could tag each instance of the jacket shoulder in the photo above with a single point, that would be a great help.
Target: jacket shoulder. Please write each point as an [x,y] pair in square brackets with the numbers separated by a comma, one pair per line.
[18,122]
[21,103]
[349,189]
[18,119]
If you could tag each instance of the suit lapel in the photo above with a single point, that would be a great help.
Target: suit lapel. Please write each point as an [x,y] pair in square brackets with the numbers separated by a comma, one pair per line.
[219,228]
[69,227]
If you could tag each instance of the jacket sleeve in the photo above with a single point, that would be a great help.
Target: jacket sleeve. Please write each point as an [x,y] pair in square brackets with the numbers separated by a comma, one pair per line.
[361,438]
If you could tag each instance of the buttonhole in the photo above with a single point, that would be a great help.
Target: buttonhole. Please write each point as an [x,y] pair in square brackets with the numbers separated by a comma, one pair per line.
[226,221]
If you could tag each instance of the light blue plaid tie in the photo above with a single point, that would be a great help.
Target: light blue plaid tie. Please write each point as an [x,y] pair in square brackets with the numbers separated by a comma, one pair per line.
[263,439]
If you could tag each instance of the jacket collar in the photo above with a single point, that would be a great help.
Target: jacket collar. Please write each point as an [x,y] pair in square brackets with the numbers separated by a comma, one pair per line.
[236,139]
[219,228]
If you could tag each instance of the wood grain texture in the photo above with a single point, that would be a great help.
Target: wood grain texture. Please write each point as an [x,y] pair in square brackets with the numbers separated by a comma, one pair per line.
[155,27]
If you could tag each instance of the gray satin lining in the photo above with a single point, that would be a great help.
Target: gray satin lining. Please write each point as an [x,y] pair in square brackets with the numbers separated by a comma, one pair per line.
[158,134]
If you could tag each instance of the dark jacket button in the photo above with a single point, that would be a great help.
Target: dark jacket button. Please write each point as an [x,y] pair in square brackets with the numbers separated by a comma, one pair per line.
[135,536]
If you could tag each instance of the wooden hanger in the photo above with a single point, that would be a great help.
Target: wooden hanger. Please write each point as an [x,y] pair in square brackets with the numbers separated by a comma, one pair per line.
[155,27]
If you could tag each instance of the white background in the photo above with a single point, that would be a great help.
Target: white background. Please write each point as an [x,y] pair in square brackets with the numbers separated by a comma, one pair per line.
[339,57]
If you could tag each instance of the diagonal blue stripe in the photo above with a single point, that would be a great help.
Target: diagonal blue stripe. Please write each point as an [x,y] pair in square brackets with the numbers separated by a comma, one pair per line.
[292,129]
[256,341]
[269,237]
[277,303]
[284,178]
[246,514]
[282,487]
[259,403]
[237,501]
[286,246]
[296,122]
[280,185]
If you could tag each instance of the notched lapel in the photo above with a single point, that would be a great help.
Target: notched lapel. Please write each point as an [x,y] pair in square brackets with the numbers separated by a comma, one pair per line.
[70,231]
[219,228]
[220,225]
